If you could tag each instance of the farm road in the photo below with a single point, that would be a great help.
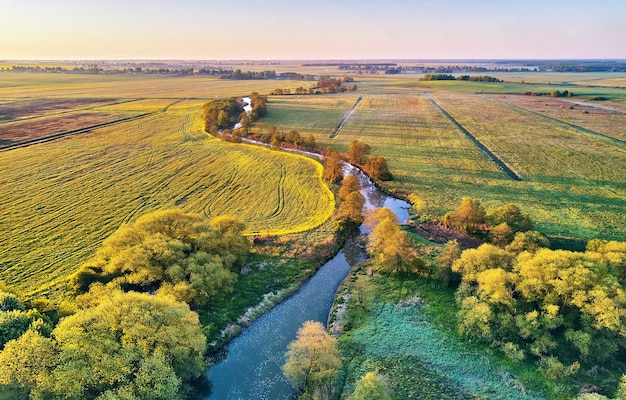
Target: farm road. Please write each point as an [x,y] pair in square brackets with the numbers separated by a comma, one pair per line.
[499,163]
[552,119]
[345,119]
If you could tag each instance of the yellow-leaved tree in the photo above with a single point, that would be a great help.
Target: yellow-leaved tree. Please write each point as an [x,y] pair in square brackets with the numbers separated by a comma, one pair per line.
[313,361]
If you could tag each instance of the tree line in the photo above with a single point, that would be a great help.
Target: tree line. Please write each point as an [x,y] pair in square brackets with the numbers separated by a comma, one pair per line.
[324,85]
[448,77]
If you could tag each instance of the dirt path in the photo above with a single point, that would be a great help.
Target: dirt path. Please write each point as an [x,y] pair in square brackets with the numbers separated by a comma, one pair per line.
[345,119]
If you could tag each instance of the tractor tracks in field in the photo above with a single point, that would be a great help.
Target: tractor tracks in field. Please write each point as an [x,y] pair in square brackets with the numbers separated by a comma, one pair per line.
[488,153]
[552,119]
[345,119]
[281,192]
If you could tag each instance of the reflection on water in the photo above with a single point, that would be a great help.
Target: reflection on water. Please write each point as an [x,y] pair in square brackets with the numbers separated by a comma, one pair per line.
[251,368]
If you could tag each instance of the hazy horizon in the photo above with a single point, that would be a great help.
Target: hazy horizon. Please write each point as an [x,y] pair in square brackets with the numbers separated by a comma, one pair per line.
[327,30]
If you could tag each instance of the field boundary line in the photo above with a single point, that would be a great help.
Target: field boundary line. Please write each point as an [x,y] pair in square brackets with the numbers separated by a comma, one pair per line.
[345,119]
[488,153]
[73,132]
[72,110]
[549,118]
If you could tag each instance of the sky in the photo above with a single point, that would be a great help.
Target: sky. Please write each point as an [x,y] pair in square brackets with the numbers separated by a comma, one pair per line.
[310,30]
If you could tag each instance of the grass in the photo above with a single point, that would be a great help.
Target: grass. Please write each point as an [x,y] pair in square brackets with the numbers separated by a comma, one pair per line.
[416,346]
[61,199]
[574,183]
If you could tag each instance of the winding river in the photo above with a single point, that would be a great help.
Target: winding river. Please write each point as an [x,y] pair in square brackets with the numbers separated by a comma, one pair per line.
[251,368]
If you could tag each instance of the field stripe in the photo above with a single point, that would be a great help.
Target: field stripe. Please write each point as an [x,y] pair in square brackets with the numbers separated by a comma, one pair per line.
[552,119]
[345,118]
[72,132]
[499,163]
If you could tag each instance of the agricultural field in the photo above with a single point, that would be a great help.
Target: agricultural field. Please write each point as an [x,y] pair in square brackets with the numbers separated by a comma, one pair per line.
[573,181]
[606,118]
[309,114]
[62,198]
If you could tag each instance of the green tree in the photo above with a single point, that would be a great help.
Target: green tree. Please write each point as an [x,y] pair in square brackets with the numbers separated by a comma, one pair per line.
[313,361]
[392,249]
[222,119]
[129,345]
[512,215]
[371,387]
[10,302]
[169,251]
[28,361]
[444,261]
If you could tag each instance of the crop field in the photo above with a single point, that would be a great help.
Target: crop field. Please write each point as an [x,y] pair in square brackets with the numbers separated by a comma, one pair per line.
[574,183]
[15,85]
[16,132]
[62,198]
[607,118]
[309,114]
[13,110]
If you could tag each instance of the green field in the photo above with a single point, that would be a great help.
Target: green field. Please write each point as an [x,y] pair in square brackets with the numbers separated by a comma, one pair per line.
[61,199]
[573,184]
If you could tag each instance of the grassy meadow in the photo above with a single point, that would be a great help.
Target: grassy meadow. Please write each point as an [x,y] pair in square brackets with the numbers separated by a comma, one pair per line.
[573,182]
[62,198]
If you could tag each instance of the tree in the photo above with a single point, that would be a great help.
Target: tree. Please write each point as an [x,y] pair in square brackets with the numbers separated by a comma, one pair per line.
[358,152]
[28,361]
[168,251]
[392,249]
[313,360]
[333,168]
[469,217]
[275,143]
[501,234]
[512,216]
[371,386]
[527,241]
[10,302]
[309,142]
[444,261]
[349,184]
[376,167]
[293,136]
[129,345]
[244,121]
[351,209]
[222,119]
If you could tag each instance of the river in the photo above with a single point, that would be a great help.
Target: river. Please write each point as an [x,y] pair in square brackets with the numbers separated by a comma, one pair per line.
[251,368]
